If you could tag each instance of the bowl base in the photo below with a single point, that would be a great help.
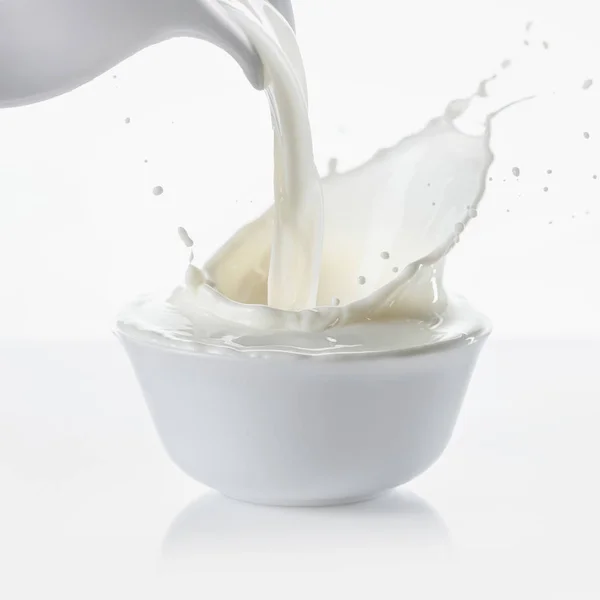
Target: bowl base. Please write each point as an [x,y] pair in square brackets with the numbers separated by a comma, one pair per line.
[308,502]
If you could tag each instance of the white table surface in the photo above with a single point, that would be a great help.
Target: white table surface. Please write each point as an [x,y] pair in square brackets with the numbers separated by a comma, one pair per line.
[91,507]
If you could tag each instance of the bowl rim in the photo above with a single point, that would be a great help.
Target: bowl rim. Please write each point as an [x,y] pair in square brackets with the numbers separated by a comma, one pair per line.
[481,330]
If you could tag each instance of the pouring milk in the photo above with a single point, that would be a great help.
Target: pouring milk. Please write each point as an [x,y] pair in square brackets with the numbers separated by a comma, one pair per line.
[351,263]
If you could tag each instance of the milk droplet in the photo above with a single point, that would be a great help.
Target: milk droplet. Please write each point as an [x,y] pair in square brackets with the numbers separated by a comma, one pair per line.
[490,179]
[362,280]
[586,135]
[549,171]
[146,160]
[587,84]
[545,189]
[395,270]
[505,63]
[385,255]
[185,237]
[459,228]
[546,45]
[127,121]
[594,176]
[516,171]
[158,190]
[335,301]
[472,213]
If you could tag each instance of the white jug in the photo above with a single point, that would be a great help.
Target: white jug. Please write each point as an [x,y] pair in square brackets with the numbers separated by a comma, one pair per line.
[48,47]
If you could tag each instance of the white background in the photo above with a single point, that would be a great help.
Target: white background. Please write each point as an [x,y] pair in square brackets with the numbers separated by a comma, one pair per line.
[87,496]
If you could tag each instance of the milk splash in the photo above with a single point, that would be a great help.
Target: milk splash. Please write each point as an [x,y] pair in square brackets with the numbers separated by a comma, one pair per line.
[360,252]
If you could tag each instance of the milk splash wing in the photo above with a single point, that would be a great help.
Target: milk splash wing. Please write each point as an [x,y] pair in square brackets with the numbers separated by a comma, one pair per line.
[403,208]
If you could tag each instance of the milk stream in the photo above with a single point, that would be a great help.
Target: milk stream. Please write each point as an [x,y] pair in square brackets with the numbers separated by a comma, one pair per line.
[349,263]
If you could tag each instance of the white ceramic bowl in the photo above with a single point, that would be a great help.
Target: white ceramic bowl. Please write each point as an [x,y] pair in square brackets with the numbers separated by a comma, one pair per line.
[304,432]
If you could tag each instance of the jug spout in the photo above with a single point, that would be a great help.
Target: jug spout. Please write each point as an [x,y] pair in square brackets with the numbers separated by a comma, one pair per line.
[49,47]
